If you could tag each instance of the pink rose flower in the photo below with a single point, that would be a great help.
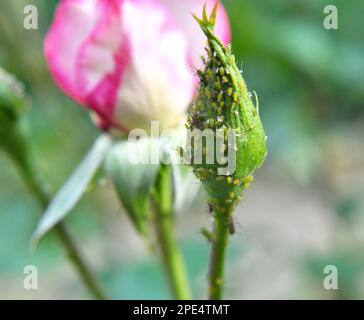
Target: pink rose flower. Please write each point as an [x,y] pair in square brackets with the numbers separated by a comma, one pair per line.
[129,61]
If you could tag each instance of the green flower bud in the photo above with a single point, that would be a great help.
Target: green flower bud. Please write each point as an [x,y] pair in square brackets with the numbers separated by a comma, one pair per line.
[224,106]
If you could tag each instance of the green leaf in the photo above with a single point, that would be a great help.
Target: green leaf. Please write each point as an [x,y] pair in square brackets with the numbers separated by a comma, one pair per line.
[185,187]
[133,173]
[133,180]
[74,188]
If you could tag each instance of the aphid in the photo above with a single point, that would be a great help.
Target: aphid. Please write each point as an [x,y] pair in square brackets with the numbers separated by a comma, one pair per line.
[200,73]
[207,234]
[232,59]
[230,91]
[201,76]
[208,93]
[195,119]
[211,122]
[248,179]
[202,173]
[231,227]
[218,85]
[181,152]
[235,97]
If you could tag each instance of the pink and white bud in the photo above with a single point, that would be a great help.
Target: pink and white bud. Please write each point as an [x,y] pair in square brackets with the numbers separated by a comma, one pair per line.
[129,61]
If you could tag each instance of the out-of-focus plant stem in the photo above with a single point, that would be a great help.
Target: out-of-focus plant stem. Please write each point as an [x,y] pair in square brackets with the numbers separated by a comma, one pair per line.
[164,222]
[37,188]
[219,239]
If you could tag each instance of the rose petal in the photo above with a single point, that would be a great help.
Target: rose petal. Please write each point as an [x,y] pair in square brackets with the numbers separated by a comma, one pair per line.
[182,13]
[102,60]
[74,19]
[158,84]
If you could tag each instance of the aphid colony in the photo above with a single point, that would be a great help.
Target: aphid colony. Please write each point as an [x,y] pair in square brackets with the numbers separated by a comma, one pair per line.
[216,96]
[223,112]
[214,85]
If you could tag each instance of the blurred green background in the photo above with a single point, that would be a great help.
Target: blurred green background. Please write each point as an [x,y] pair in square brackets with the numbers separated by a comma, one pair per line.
[306,207]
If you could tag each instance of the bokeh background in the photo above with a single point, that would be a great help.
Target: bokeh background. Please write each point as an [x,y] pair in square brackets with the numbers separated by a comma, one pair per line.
[304,211]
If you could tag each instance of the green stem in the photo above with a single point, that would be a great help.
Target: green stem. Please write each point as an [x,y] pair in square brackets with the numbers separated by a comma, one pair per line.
[220,239]
[163,216]
[35,185]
